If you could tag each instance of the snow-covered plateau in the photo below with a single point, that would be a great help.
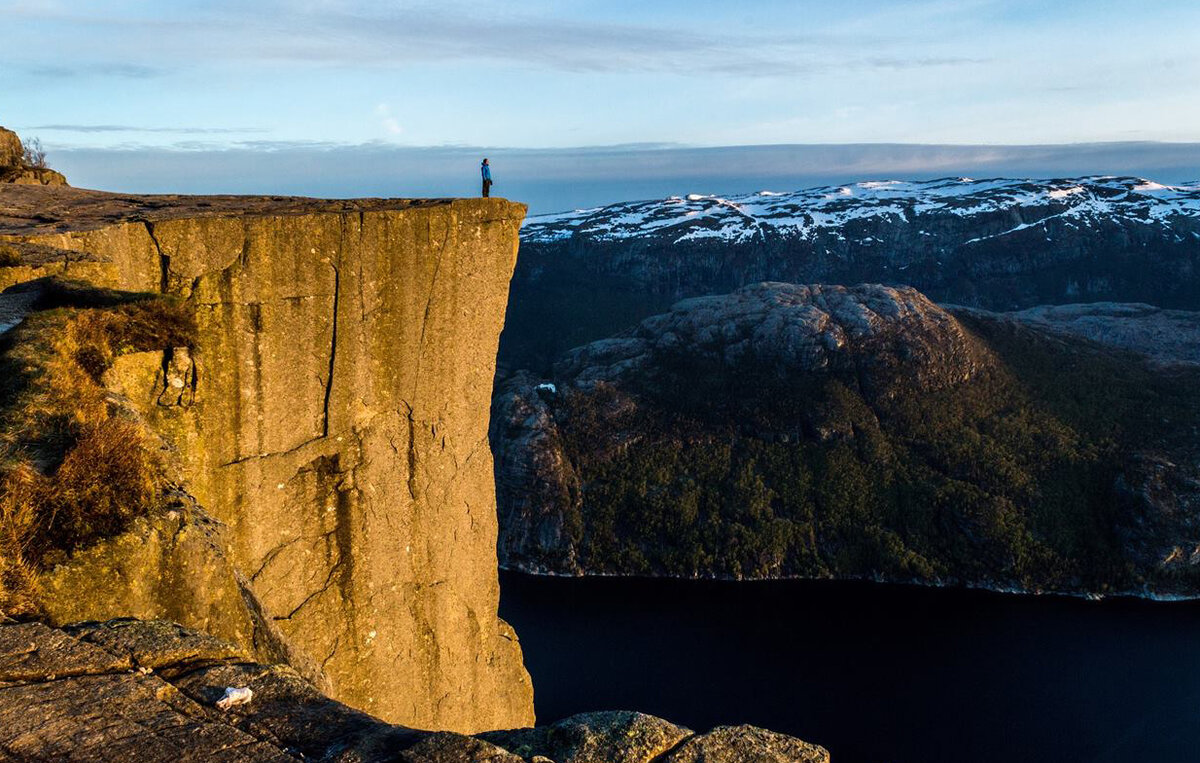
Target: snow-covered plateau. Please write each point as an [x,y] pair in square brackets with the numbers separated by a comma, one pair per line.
[802,213]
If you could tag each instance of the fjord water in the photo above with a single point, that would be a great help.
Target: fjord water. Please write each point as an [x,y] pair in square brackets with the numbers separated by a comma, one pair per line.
[874,672]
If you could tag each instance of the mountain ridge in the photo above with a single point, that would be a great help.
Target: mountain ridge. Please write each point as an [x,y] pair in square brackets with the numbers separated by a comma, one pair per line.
[999,244]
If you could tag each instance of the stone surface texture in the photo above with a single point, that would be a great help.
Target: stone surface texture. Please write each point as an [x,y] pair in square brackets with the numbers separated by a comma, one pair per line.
[333,418]
[148,690]
[605,737]
[629,737]
[11,150]
[797,328]
[746,744]
[1165,336]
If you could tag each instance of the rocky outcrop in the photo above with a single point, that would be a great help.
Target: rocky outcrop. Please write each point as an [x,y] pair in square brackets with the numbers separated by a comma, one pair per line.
[173,567]
[12,153]
[883,341]
[152,691]
[1166,336]
[887,338]
[629,737]
[611,737]
[13,168]
[133,690]
[332,417]
[817,431]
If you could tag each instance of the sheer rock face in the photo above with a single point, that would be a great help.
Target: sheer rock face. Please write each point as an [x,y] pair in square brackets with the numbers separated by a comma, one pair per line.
[334,419]
[172,566]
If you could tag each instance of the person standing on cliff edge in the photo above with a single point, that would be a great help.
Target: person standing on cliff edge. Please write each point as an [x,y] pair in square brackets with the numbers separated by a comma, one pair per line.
[485,169]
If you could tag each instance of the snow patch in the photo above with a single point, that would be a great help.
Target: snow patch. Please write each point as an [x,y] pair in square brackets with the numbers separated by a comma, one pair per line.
[1062,193]
[828,210]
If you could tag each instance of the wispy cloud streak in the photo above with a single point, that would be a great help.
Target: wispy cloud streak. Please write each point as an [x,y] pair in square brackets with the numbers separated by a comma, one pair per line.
[358,34]
[91,129]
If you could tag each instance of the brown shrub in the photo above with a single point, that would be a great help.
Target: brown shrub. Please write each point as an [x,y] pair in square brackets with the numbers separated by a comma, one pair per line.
[9,256]
[18,583]
[73,470]
[33,154]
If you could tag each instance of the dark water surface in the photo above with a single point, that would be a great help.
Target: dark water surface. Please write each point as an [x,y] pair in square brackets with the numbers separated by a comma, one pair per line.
[878,674]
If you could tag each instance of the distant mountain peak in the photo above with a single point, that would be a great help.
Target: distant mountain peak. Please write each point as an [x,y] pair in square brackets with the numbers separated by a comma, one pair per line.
[806,212]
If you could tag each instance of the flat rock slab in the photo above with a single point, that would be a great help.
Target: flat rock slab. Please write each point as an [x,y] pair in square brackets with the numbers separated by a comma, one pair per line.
[32,651]
[38,210]
[90,693]
[118,717]
[156,644]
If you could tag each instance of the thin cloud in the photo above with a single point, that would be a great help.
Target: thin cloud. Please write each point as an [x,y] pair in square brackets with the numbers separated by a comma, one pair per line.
[137,129]
[920,62]
[307,33]
[118,70]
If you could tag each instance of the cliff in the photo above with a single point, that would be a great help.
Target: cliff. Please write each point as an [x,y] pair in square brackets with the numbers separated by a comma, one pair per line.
[329,414]
[785,431]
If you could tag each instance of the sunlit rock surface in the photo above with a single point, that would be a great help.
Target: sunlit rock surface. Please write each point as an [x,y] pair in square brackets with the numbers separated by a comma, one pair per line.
[333,419]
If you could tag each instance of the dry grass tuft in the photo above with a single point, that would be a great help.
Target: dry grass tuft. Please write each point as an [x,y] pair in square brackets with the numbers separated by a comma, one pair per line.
[9,256]
[73,469]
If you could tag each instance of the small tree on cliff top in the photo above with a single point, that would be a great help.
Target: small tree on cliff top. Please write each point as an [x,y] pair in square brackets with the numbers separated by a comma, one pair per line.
[34,155]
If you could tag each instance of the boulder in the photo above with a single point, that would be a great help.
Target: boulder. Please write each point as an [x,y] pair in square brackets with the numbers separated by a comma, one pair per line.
[630,737]
[606,737]
[11,151]
[746,744]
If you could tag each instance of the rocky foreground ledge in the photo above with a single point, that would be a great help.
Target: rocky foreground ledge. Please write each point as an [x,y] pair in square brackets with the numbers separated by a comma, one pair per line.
[149,691]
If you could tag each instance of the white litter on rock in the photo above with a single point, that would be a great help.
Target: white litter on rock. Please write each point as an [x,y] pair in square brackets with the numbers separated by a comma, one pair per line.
[235,695]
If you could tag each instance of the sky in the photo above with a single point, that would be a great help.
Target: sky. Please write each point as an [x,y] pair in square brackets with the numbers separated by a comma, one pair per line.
[119,82]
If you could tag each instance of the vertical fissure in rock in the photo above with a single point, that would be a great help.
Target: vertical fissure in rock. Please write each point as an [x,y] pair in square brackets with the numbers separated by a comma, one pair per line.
[344,537]
[412,454]
[164,259]
[437,268]
[333,341]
